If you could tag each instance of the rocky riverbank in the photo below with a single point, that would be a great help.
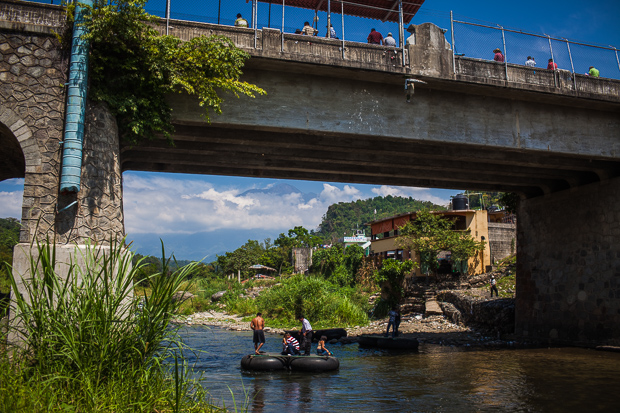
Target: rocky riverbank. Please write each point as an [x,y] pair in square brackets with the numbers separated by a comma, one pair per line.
[431,330]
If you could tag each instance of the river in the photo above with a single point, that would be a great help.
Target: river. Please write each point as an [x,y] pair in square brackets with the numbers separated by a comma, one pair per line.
[435,379]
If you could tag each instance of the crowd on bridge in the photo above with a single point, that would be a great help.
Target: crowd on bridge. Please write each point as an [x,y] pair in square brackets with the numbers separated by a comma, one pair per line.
[498,56]
[373,38]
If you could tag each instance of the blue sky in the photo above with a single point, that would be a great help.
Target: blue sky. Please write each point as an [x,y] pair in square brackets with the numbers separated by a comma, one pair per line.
[200,216]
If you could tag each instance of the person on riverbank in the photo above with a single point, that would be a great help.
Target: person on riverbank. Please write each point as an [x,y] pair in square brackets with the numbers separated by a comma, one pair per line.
[393,316]
[290,345]
[306,335]
[321,350]
[494,286]
[258,325]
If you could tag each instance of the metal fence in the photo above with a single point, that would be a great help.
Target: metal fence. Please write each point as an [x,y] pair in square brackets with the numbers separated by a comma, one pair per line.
[469,40]
[478,41]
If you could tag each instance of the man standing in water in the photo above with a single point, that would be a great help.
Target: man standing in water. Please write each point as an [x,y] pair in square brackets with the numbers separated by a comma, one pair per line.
[306,335]
[258,324]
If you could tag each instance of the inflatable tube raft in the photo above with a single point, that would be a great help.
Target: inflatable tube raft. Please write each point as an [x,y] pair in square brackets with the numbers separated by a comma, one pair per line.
[275,361]
[262,362]
[389,343]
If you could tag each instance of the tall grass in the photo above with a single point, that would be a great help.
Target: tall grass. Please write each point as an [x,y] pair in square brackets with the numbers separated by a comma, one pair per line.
[87,343]
[324,303]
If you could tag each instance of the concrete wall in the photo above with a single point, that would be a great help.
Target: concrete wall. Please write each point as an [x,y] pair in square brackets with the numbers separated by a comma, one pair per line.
[301,259]
[568,265]
[502,240]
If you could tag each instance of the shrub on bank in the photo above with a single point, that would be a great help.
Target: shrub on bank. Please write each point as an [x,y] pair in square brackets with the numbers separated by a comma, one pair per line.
[90,345]
[325,304]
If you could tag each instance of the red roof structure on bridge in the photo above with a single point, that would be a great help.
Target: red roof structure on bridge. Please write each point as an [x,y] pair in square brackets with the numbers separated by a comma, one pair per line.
[384,10]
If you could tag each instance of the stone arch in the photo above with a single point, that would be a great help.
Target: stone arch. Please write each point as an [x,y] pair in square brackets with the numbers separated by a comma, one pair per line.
[16,135]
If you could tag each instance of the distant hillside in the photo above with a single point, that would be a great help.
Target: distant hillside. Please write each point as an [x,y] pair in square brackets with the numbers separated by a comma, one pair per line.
[345,217]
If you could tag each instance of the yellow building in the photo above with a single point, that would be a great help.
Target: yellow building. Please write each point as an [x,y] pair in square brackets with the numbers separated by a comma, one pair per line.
[385,231]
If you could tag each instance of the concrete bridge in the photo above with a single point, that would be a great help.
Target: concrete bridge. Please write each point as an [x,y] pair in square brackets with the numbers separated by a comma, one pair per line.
[338,111]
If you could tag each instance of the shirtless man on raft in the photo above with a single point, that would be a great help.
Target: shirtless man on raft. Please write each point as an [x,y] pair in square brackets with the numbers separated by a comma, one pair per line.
[258,324]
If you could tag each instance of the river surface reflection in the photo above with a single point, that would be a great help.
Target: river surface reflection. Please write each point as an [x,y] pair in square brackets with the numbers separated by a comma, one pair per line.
[435,379]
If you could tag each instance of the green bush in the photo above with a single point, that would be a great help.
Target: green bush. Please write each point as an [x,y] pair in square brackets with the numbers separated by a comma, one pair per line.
[324,303]
[90,345]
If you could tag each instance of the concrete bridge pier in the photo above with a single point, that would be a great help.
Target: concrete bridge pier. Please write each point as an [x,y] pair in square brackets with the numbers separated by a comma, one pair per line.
[32,111]
[33,77]
[568,266]
[94,215]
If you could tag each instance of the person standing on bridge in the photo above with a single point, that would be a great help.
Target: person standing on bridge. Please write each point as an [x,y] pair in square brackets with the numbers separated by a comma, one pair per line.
[389,41]
[374,37]
[552,65]
[241,22]
[593,72]
[309,30]
[332,33]
[499,56]
[530,62]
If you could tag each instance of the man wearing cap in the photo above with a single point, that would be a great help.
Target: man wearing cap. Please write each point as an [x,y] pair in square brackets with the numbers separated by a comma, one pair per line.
[593,71]
[389,41]
[241,22]
[374,37]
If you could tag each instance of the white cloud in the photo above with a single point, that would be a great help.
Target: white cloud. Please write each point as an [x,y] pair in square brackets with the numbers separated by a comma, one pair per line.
[164,205]
[11,204]
[332,194]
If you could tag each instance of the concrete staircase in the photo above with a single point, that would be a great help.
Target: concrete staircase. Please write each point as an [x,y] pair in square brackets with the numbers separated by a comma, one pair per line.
[421,299]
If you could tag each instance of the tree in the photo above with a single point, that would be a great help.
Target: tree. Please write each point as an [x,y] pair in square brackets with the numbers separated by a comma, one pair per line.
[391,277]
[353,259]
[9,237]
[133,68]
[430,234]
[510,201]
[241,258]
[327,260]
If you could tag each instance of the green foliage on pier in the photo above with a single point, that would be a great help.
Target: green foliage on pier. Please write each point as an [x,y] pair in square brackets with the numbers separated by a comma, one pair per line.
[133,68]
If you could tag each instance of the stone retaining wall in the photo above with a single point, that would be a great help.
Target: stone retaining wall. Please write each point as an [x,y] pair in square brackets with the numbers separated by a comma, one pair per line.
[495,315]
[502,240]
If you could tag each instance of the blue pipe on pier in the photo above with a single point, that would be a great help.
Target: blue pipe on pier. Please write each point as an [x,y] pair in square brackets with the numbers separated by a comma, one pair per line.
[76,106]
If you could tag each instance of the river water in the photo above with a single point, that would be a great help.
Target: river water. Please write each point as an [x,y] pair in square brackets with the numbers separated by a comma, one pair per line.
[434,379]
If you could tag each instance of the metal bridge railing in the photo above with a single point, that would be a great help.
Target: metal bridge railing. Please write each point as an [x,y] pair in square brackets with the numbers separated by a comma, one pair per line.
[469,40]
[478,41]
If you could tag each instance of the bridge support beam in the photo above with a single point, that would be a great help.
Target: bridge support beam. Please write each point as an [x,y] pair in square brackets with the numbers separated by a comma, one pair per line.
[568,266]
